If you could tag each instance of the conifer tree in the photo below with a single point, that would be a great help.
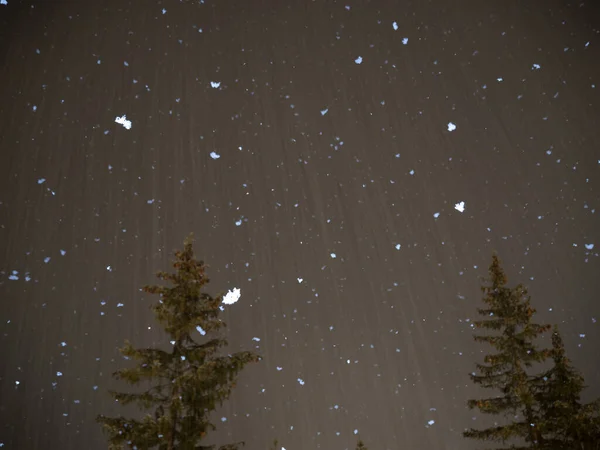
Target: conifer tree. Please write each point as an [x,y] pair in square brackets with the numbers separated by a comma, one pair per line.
[565,422]
[186,383]
[511,333]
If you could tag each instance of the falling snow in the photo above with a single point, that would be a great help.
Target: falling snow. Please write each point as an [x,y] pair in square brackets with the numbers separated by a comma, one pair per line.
[232,296]
[123,121]
[89,212]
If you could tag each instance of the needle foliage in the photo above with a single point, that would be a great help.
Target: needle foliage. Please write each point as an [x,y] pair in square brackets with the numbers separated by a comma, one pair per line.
[541,410]
[508,328]
[187,383]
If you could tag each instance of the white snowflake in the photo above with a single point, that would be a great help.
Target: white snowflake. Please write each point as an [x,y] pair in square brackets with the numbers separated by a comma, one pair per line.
[232,296]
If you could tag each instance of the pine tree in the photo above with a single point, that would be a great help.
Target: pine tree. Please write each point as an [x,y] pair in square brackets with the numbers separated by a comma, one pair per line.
[508,317]
[565,422]
[360,445]
[187,383]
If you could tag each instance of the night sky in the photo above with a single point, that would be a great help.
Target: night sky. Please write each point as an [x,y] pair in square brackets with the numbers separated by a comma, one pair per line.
[349,166]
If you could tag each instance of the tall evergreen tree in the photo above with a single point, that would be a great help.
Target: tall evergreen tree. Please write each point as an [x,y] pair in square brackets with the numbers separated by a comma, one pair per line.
[565,422]
[508,318]
[187,383]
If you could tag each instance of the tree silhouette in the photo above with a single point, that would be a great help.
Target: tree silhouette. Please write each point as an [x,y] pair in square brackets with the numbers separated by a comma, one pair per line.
[564,421]
[187,383]
[508,317]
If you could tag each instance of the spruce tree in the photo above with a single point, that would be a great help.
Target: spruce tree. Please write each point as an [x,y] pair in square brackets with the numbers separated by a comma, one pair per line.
[186,383]
[511,333]
[565,422]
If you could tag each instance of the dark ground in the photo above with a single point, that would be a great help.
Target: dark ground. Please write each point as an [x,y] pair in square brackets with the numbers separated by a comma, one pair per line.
[381,337]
